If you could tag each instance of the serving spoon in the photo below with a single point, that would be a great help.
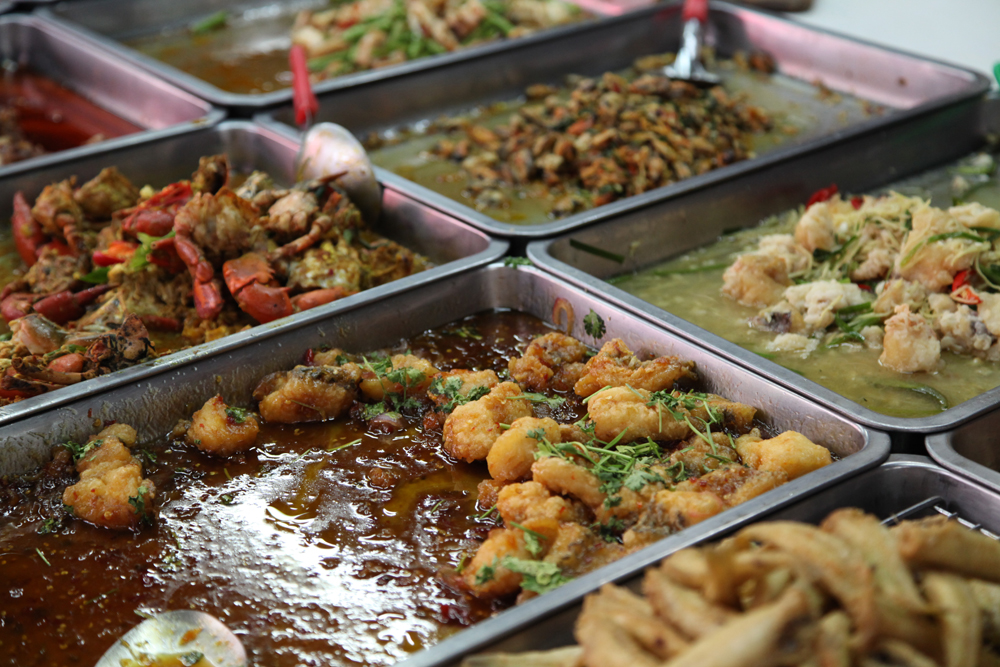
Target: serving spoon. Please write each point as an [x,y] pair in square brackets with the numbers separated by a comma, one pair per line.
[328,148]
[181,638]
[687,65]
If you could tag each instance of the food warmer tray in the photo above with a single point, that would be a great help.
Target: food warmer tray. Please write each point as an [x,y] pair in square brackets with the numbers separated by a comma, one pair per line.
[453,246]
[153,404]
[119,87]
[971,449]
[926,98]
[671,228]
[112,22]
[905,487]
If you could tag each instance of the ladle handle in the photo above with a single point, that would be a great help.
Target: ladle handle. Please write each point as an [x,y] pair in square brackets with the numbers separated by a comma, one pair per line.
[306,105]
[695,9]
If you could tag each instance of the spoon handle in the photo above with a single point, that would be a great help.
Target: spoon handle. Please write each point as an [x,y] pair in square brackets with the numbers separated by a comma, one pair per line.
[695,9]
[306,105]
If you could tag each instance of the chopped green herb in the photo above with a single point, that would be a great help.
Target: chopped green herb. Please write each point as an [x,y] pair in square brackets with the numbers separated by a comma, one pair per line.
[611,530]
[450,388]
[486,573]
[42,556]
[50,525]
[98,276]
[238,415]
[79,451]
[539,576]
[139,502]
[141,257]
[533,397]
[514,262]
[344,446]
[210,23]
[486,514]
[594,325]
[532,539]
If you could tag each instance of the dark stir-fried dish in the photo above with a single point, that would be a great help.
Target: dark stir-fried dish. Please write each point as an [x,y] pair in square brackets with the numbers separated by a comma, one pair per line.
[366,34]
[849,592]
[347,516]
[599,139]
[114,273]
[14,143]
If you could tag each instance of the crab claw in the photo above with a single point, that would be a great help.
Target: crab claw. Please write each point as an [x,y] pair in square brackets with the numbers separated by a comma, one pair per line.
[16,305]
[64,306]
[28,236]
[208,299]
[250,268]
[248,279]
[318,297]
[164,255]
[155,216]
[264,303]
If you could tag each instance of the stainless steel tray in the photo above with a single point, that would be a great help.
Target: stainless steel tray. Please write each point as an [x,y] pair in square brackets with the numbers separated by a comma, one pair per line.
[153,405]
[903,487]
[109,22]
[117,86]
[972,449]
[674,227]
[924,96]
[453,246]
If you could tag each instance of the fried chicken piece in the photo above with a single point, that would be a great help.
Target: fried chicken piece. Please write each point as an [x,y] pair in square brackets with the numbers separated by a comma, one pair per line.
[790,452]
[221,430]
[512,454]
[307,394]
[552,361]
[111,492]
[471,429]
[418,373]
[616,366]
[735,484]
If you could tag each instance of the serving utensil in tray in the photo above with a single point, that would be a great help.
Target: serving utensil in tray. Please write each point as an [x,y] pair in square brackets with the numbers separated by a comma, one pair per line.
[645,237]
[452,246]
[919,97]
[905,487]
[153,404]
[158,109]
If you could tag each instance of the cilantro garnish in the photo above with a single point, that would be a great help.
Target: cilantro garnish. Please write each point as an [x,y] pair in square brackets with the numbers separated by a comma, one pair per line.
[532,539]
[538,575]
[486,573]
[79,451]
[238,415]
[594,325]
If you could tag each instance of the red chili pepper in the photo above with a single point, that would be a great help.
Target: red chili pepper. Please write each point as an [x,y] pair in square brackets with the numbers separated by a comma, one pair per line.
[966,295]
[309,357]
[867,288]
[856,202]
[822,194]
[961,279]
[116,253]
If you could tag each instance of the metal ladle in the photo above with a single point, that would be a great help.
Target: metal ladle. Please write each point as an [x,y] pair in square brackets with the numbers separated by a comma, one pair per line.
[328,148]
[687,65]
[174,634]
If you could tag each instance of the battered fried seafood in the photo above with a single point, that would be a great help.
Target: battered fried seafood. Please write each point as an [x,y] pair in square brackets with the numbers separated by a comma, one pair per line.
[850,592]
[891,273]
[111,492]
[107,260]
[603,138]
[367,34]
[221,429]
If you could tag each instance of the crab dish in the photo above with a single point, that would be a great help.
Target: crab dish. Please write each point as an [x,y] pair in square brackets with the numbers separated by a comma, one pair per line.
[114,274]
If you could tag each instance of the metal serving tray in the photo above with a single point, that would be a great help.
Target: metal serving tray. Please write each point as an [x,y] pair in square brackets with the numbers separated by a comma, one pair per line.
[972,449]
[154,404]
[904,487]
[117,86]
[111,22]
[922,96]
[451,245]
[672,228]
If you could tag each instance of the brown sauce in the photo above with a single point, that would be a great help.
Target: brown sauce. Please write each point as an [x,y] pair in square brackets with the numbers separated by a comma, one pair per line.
[55,117]
[312,552]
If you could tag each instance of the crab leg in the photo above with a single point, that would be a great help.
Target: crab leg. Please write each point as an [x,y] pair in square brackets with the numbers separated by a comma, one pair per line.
[64,306]
[28,236]
[248,279]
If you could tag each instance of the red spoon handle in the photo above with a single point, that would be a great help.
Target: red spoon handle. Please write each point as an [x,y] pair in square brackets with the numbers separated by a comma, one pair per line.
[303,98]
[695,9]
